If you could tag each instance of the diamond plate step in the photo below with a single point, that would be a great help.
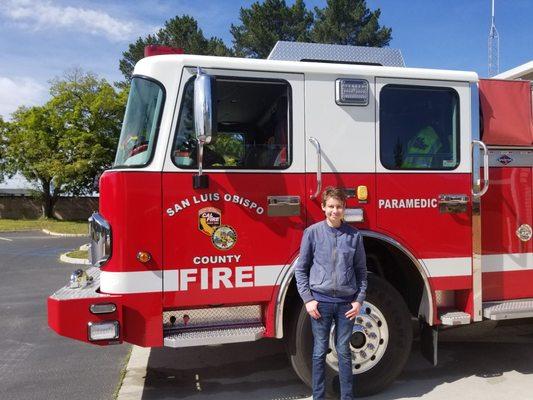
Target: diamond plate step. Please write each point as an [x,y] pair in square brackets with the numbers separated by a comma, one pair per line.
[210,318]
[221,335]
[497,310]
[455,318]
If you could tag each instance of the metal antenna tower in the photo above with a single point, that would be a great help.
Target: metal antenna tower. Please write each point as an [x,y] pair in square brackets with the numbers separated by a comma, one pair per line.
[494,46]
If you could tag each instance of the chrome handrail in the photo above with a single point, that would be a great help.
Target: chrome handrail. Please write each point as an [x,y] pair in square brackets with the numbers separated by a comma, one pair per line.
[318,168]
[486,182]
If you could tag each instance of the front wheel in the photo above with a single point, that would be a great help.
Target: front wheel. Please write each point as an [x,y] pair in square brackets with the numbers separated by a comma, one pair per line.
[380,342]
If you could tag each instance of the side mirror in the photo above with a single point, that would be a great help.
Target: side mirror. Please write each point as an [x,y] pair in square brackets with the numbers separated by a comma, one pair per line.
[203,121]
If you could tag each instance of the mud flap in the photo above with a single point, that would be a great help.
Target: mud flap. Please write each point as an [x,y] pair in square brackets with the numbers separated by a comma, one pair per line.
[429,338]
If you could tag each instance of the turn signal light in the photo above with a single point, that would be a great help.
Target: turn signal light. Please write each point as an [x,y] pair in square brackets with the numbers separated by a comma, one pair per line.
[143,256]
[103,308]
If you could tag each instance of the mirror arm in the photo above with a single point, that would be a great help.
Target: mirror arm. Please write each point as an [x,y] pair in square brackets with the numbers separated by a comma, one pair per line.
[200,157]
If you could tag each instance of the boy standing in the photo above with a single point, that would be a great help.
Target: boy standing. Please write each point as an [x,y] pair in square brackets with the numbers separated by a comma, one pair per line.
[331,279]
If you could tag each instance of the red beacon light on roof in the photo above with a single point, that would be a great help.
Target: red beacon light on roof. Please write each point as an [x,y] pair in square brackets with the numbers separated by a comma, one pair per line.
[157,50]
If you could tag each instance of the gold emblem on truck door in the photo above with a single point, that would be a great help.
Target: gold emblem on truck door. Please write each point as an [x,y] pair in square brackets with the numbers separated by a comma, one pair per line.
[524,232]
[209,219]
[224,237]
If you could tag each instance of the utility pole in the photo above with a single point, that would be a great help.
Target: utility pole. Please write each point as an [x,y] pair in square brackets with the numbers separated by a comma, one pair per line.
[494,46]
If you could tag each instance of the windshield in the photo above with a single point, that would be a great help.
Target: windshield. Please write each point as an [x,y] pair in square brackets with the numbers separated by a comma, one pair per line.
[141,123]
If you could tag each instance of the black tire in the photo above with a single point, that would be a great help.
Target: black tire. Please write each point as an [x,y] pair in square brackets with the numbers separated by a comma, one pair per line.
[389,302]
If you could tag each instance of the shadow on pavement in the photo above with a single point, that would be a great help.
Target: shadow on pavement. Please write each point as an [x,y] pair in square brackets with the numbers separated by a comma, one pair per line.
[256,370]
[476,363]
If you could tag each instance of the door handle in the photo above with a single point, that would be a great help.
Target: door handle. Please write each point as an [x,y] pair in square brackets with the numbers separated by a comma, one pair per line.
[318,168]
[283,206]
[453,203]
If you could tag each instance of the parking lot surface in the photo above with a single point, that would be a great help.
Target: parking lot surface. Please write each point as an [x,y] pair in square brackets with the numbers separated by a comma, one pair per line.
[36,363]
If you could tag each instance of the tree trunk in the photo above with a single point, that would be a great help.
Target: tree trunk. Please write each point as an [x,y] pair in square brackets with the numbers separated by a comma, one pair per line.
[47,205]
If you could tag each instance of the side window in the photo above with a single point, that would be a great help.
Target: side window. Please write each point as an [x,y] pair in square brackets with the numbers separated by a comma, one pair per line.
[419,128]
[252,126]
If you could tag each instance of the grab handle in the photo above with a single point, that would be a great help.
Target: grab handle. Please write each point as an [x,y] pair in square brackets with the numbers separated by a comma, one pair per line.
[318,168]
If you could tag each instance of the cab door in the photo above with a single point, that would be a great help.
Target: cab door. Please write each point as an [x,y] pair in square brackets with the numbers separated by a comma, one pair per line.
[423,188]
[227,243]
[340,144]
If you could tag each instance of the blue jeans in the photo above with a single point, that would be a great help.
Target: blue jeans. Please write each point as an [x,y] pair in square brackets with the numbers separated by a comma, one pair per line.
[321,331]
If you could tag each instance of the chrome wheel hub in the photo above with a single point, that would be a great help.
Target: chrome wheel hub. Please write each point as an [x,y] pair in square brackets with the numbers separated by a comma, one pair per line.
[370,336]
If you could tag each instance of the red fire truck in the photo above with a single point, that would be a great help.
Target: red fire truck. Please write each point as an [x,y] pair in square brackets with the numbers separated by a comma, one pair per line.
[220,167]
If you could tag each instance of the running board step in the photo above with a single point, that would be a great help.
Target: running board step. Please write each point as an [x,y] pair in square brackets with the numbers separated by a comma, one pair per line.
[512,309]
[220,335]
[455,318]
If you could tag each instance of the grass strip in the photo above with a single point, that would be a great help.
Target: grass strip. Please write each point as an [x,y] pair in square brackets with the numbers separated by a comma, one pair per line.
[12,225]
[83,254]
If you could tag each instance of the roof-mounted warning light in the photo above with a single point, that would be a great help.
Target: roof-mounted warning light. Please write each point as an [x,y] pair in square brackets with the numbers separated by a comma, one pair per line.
[157,50]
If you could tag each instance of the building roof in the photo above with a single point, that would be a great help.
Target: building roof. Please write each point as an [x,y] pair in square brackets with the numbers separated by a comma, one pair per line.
[7,192]
[524,71]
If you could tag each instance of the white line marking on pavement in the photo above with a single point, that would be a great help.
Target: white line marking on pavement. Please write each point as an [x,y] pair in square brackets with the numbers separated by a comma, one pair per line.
[47,237]
[9,240]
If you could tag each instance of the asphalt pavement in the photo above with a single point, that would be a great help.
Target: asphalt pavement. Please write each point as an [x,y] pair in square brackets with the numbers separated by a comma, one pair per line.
[35,362]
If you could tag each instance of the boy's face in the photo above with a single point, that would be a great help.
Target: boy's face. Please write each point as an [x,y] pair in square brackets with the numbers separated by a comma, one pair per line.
[334,211]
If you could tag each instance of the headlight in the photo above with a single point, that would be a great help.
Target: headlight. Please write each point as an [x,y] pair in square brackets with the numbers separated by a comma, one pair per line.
[100,232]
[79,279]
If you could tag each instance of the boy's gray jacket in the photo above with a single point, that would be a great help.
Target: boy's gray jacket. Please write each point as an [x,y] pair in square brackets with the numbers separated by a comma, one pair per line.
[332,262]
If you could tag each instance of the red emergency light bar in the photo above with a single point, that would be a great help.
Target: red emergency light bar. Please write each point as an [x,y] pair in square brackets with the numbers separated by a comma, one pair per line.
[157,50]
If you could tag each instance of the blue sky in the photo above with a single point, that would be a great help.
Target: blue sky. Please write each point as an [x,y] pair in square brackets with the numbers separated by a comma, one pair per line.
[40,39]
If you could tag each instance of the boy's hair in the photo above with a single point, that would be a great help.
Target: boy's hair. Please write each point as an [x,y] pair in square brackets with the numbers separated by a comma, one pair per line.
[335,192]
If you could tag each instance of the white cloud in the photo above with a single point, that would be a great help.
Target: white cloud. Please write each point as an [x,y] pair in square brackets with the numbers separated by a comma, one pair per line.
[43,14]
[16,92]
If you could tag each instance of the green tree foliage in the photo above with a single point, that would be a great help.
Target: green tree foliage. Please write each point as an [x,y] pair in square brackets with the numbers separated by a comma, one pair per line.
[230,146]
[62,146]
[180,32]
[4,126]
[134,53]
[340,22]
[263,24]
[349,22]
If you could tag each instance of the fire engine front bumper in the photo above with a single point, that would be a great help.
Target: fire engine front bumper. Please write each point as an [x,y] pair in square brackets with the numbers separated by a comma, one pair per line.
[85,314]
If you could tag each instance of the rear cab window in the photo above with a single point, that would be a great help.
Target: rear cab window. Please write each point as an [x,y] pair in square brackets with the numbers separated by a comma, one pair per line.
[419,128]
